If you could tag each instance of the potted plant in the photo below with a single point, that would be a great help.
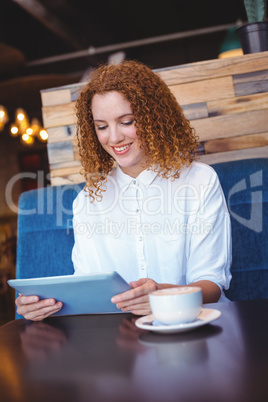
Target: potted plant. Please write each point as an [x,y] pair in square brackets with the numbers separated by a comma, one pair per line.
[254,35]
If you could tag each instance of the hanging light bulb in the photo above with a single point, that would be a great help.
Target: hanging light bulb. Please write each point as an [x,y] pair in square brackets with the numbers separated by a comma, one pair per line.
[3,117]
[29,131]
[22,119]
[20,116]
[27,139]
[43,135]
[14,130]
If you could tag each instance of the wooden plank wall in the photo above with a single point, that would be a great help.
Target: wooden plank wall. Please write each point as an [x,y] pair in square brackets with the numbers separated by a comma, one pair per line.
[226,101]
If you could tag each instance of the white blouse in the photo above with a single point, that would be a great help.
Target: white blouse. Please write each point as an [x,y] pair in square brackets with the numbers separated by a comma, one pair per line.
[172,231]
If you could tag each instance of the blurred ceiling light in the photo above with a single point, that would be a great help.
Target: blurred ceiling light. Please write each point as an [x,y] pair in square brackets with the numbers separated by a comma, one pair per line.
[14,130]
[3,117]
[27,139]
[43,135]
[29,131]
[22,127]
[25,130]
[20,116]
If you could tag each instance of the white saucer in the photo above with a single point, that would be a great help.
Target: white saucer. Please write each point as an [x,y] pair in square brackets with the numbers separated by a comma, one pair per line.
[149,323]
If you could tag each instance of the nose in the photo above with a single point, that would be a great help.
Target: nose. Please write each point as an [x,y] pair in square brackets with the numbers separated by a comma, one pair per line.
[116,136]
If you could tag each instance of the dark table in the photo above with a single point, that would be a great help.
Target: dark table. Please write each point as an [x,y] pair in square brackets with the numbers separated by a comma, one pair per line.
[107,358]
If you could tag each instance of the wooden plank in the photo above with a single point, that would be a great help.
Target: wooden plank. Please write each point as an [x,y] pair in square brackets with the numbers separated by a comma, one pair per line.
[231,125]
[70,179]
[237,105]
[249,88]
[75,92]
[203,91]
[60,152]
[57,97]
[66,171]
[255,76]
[251,83]
[201,148]
[69,93]
[195,111]
[76,150]
[59,115]
[214,68]
[234,143]
[60,165]
[220,157]
[62,133]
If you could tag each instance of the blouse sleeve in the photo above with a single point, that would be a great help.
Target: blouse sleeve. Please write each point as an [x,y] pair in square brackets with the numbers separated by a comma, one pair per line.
[209,253]
[77,252]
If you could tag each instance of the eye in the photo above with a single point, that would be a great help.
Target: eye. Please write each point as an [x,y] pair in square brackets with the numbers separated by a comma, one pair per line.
[103,127]
[128,122]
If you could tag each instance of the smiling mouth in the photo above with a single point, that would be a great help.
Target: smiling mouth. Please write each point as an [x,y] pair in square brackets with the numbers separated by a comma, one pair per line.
[122,149]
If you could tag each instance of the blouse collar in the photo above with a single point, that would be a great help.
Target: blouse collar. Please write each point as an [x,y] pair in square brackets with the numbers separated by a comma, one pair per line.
[145,178]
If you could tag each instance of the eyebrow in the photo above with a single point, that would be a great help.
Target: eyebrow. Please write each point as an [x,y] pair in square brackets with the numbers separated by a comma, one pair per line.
[119,117]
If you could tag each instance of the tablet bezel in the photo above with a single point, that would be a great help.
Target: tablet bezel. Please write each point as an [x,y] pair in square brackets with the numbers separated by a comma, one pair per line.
[80,294]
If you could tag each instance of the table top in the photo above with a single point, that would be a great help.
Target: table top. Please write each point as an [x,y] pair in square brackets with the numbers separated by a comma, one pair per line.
[107,358]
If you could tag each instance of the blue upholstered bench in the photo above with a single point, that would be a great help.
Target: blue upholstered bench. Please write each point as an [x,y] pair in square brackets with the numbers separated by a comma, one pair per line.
[245,185]
[45,234]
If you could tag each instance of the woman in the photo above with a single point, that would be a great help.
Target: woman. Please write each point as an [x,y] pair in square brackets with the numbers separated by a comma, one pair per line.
[148,210]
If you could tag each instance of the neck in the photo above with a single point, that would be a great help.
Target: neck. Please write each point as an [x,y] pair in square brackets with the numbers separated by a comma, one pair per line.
[133,171]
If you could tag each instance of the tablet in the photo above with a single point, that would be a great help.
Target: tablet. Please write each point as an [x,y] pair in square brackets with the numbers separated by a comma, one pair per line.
[87,294]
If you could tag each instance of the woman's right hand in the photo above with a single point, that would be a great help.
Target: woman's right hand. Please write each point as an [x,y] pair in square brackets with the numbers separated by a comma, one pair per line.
[31,308]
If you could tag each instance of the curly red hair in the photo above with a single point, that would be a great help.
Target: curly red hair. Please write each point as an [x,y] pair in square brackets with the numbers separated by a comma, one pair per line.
[165,135]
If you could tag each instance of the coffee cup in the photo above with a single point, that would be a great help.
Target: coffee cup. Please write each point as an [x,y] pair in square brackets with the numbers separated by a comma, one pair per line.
[178,305]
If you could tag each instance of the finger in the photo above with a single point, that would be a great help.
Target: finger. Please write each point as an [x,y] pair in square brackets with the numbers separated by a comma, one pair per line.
[133,302]
[36,308]
[129,294]
[139,309]
[43,313]
[28,307]
[141,290]
[23,300]
[122,296]
[143,309]
[142,281]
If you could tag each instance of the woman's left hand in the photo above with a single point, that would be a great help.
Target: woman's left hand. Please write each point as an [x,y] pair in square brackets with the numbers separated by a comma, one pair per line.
[136,300]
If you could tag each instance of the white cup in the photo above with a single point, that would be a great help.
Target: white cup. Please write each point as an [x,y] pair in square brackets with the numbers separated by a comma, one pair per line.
[176,305]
